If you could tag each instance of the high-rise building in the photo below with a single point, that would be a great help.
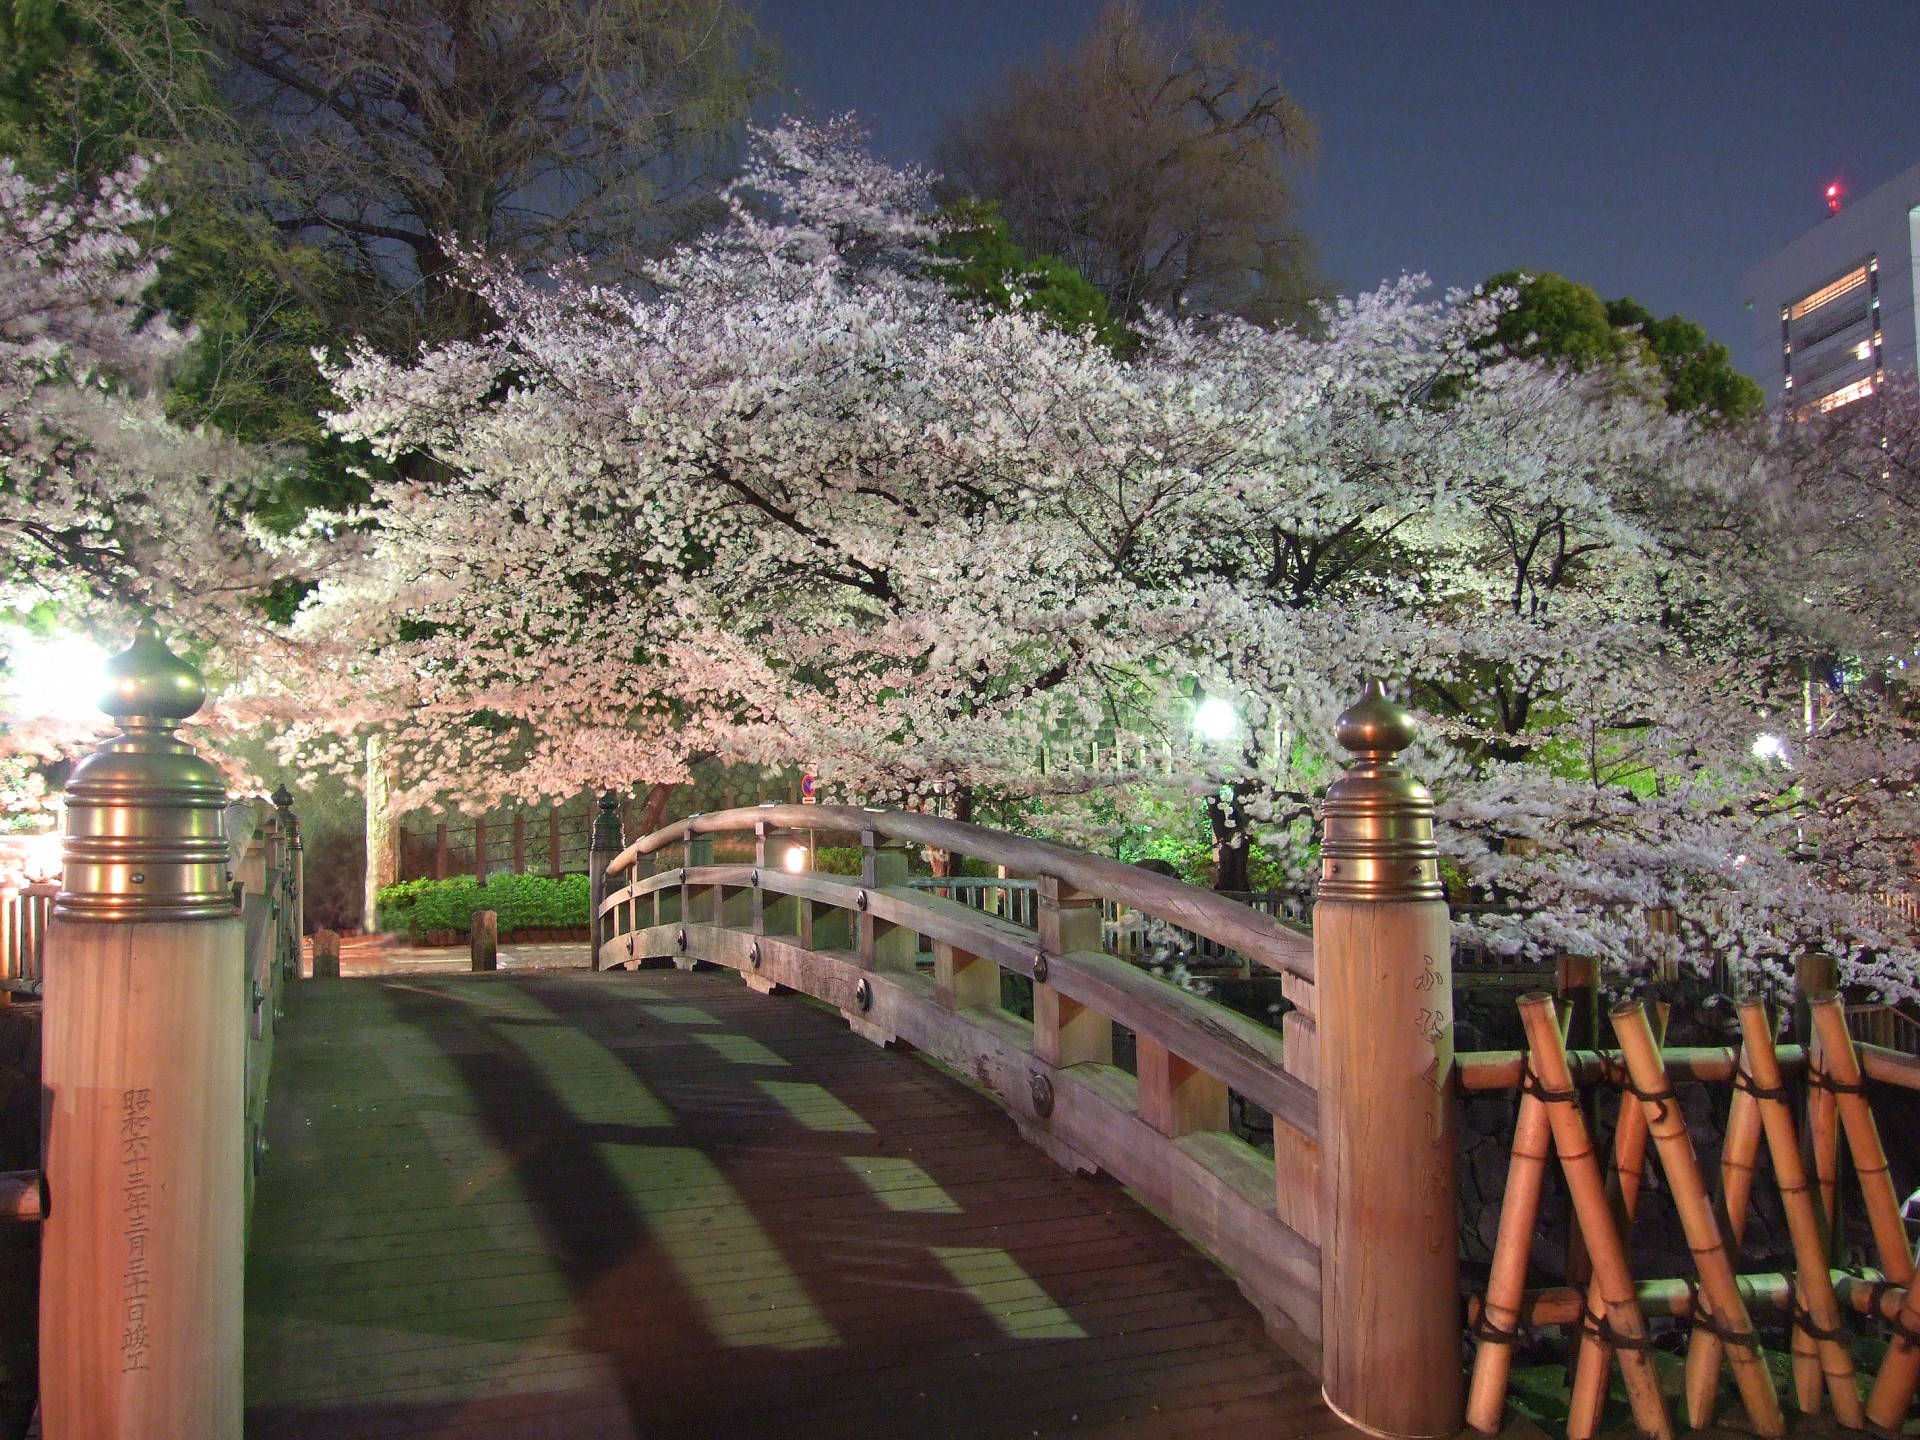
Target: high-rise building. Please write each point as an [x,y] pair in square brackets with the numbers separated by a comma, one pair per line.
[1833,313]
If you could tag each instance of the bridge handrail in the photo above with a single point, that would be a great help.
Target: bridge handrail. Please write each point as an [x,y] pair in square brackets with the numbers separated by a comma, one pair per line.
[1164,1126]
[1260,937]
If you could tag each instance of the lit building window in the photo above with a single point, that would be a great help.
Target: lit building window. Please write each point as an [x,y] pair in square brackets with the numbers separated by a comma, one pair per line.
[1827,294]
[1845,395]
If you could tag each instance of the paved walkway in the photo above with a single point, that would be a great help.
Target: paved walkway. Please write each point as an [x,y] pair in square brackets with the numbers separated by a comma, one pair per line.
[660,1205]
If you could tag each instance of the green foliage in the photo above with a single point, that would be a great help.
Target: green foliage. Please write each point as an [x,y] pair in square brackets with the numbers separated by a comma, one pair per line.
[522,902]
[84,89]
[837,860]
[1559,319]
[991,269]
[1698,374]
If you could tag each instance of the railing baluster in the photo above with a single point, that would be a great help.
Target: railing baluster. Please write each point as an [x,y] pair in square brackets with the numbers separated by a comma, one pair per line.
[1066,1032]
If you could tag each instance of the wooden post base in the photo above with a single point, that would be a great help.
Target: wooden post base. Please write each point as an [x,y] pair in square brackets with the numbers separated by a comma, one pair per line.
[144,1072]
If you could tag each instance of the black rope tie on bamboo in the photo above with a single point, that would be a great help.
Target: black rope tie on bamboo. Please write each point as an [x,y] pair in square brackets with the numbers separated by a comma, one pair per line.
[1662,1099]
[1532,1084]
[1745,1340]
[1903,1330]
[1600,1329]
[1824,1080]
[1744,1081]
[1803,1320]
[1488,1333]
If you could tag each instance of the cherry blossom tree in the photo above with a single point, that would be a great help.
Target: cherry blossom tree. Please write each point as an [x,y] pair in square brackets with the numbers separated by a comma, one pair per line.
[795,502]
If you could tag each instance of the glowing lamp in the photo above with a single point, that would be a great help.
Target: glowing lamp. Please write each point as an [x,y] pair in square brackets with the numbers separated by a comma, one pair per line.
[55,677]
[796,859]
[1215,719]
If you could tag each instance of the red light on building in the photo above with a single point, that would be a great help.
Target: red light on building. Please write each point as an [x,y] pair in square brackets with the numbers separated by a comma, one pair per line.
[1835,197]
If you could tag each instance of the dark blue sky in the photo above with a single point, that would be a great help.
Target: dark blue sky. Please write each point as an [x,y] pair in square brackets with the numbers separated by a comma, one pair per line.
[1646,147]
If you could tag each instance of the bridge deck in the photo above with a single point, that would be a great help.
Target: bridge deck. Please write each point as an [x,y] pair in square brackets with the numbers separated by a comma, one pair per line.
[661,1205]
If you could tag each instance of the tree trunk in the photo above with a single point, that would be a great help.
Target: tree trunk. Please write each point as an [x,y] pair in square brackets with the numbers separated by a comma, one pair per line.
[1232,839]
[944,862]
[655,813]
[383,859]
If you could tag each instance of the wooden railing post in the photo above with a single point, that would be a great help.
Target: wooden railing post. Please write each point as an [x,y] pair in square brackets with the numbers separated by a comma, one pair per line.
[607,842]
[293,882]
[519,842]
[483,942]
[480,849]
[553,842]
[882,946]
[1389,1256]
[441,851]
[773,914]
[143,1069]
[326,955]
[1066,1032]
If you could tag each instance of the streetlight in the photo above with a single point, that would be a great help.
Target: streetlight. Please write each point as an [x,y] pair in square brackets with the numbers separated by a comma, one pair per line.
[1214,719]
[55,677]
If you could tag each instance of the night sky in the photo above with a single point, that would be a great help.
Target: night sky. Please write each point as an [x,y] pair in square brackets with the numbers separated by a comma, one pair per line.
[1654,148]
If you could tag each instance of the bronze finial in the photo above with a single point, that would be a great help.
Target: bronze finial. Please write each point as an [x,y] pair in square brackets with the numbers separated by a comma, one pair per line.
[1378,841]
[606,825]
[144,838]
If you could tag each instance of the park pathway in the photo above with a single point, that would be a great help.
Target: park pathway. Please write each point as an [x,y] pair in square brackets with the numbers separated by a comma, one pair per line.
[661,1205]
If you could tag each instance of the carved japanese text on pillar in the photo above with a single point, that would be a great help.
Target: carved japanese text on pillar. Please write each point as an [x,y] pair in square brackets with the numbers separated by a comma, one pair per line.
[136,1284]
[1435,1024]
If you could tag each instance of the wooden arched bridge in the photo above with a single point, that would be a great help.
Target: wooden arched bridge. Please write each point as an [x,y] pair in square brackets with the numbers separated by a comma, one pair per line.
[755,1176]
[675,1203]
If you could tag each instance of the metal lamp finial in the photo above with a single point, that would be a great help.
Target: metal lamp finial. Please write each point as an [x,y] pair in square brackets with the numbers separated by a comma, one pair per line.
[144,838]
[1378,820]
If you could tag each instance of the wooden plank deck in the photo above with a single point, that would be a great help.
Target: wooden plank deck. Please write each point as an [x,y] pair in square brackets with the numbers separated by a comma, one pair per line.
[659,1205]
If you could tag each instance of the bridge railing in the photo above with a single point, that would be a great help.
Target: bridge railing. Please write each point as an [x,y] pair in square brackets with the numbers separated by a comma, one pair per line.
[857,942]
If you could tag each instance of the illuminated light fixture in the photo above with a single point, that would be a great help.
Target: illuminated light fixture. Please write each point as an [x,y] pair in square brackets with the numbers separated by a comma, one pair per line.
[1770,747]
[796,859]
[1835,198]
[55,677]
[1215,719]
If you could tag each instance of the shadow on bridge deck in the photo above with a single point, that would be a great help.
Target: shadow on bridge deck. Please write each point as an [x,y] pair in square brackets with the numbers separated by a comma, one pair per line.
[662,1205]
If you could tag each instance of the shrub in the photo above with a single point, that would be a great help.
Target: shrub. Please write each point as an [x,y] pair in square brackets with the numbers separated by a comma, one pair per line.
[522,902]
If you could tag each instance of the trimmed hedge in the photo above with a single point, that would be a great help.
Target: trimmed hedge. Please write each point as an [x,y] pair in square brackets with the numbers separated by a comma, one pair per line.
[523,902]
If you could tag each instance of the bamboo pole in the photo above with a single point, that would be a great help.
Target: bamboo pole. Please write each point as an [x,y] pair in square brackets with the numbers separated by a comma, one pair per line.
[1589,1194]
[1863,1138]
[1899,1377]
[1804,1221]
[1695,1206]
[1739,1160]
[1593,1361]
[1519,1214]
[1823,1134]
[1564,1305]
